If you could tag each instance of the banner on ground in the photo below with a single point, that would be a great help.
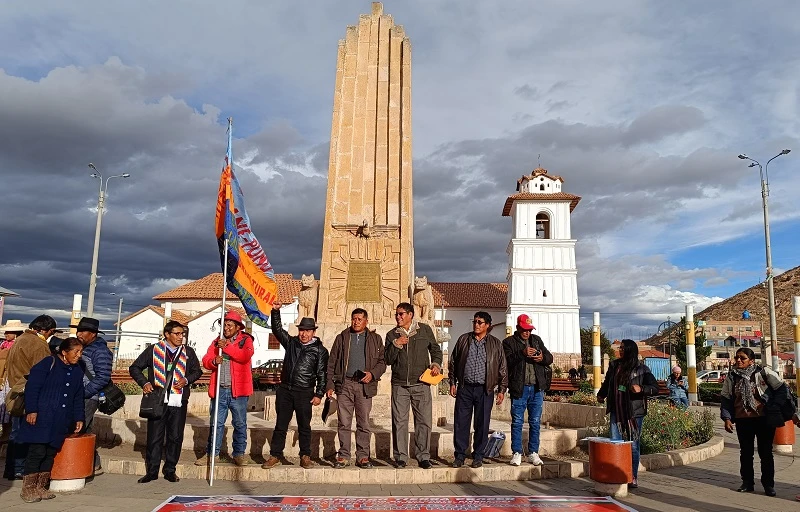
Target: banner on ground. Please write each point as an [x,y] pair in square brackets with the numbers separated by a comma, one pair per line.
[250,274]
[392,504]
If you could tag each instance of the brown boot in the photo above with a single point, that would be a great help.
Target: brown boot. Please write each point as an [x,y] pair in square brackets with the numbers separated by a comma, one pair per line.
[29,493]
[306,462]
[271,462]
[44,481]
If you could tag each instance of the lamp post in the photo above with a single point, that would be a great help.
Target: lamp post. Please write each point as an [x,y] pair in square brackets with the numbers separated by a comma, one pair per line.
[101,199]
[119,331]
[773,324]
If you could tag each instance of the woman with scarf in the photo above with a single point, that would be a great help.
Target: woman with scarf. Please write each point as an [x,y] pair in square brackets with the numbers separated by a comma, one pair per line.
[171,366]
[53,410]
[678,388]
[627,385]
[745,393]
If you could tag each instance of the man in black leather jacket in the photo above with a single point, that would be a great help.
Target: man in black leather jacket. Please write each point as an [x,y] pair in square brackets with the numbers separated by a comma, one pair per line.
[302,385]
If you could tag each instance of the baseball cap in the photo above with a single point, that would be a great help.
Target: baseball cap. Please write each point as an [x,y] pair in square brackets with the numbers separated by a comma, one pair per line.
[525,323]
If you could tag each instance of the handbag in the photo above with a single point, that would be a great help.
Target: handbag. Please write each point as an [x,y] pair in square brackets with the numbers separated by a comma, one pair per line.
[111,398]
[153,406]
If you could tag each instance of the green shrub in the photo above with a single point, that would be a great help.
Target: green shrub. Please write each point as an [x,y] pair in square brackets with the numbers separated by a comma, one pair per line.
[130,388]
[581,398]
[444,386]
[668,428]
[585,386]
[709,392]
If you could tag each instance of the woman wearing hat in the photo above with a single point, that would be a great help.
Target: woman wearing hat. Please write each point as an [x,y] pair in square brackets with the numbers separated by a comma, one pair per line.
[678,388]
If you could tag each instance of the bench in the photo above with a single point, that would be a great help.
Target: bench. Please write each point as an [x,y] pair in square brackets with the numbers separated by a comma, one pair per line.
[566,385]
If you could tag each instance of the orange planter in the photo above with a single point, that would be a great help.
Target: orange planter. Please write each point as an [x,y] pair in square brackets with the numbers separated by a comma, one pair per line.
[76,458]
[785,435]
[610,463]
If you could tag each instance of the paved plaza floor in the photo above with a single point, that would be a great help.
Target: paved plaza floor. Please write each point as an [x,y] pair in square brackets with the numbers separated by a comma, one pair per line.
[705,486]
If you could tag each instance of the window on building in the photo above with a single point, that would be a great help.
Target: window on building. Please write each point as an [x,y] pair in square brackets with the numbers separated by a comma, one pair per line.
[729,329]
[722,355]
[542,226]
[273,343]
[748,329]
[713,327]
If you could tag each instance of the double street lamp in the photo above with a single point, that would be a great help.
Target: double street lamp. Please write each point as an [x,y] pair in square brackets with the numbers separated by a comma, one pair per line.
[773,327]
[100,205]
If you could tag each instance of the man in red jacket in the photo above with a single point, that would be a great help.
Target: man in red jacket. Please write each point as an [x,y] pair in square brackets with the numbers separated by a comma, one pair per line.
[229,359]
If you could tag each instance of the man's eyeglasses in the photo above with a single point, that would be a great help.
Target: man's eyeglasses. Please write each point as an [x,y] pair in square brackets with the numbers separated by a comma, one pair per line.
[478,322]
[178,333]
[401,313]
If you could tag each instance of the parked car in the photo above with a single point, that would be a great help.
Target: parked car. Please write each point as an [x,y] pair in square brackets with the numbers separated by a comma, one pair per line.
[712,375]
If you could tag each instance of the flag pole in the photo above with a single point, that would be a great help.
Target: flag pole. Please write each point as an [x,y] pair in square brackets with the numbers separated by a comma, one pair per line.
[221,330]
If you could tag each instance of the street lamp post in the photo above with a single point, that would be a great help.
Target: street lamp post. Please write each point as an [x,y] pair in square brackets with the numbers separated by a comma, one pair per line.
[773,324]
[119,332]
[101,199]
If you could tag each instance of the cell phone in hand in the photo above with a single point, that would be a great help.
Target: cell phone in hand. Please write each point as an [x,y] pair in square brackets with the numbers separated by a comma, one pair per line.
[359,374]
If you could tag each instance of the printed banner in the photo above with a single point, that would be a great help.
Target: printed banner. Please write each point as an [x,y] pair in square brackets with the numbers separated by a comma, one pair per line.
[393,504]
[250,274]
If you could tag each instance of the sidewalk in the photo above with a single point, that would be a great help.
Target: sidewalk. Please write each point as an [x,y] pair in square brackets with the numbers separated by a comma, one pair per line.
[705,486]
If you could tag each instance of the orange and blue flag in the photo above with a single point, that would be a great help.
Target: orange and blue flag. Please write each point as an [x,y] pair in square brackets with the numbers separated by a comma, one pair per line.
[250,274]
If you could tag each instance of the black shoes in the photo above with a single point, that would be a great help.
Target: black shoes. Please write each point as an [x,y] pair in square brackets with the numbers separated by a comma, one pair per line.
[171,477]
[401,464]
[425,464]
[364,463]
[477,463]
[745,488]
[147,478]
[458,463]
[770,491]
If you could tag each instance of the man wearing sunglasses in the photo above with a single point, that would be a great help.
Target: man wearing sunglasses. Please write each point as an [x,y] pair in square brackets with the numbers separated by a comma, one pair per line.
[477,370]
[411,349]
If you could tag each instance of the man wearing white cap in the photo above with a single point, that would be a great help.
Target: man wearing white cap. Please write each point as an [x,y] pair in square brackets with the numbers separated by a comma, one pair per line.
[529,376]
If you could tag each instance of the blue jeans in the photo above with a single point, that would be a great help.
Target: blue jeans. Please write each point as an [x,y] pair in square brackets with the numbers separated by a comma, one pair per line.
[531,401]
[616,435]
[238,408]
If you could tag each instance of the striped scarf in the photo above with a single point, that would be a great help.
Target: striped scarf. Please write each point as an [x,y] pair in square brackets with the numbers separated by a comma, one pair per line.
[160,367]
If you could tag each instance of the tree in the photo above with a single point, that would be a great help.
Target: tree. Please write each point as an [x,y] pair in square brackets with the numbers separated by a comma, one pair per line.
[701,351]
[586,346]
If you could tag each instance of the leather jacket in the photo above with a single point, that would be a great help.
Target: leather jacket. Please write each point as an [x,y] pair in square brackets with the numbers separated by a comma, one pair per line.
[514,347]
[496,369]
[304,366]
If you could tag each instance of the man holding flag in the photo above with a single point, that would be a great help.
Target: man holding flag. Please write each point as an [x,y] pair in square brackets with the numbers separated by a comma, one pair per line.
[234,372]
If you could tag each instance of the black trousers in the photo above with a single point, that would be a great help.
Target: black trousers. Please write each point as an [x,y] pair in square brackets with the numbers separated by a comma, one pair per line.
[749,430]
[472,399]
[169,429]
[89,410]
[39,459]
[289,402]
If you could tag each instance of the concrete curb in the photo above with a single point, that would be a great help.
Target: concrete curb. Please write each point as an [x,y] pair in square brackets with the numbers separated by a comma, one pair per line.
[684,456]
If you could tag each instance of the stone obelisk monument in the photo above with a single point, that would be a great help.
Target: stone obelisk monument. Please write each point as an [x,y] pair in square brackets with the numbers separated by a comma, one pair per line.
[367,248]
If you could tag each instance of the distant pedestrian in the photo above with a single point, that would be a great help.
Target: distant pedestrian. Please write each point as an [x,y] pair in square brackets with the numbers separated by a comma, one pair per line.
[477,370]
[627,385]
[744,396]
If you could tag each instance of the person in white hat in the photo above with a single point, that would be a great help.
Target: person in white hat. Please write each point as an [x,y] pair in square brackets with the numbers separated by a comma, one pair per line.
[11,330]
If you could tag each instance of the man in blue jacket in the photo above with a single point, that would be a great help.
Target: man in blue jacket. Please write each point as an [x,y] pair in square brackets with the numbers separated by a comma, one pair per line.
[97,362]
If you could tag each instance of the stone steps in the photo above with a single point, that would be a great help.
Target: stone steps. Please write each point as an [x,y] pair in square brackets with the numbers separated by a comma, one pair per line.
[132,463]
[113,431]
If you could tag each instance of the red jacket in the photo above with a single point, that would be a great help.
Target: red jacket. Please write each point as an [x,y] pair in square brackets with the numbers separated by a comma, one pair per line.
[241,369]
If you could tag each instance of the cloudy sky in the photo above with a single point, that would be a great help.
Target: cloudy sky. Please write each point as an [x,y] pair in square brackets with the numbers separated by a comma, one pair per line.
[642,107]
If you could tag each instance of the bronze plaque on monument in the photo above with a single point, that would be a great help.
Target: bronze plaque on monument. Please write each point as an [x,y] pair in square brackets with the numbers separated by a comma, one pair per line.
[363,282]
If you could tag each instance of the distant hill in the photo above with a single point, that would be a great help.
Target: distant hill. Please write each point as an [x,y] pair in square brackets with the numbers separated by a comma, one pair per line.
[754,299]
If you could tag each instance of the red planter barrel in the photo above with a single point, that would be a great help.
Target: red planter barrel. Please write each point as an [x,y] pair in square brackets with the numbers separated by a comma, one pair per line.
[76,458]
[610,462]
[784,438]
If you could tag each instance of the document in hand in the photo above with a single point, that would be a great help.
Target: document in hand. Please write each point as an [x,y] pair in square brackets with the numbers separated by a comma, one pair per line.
[429,378]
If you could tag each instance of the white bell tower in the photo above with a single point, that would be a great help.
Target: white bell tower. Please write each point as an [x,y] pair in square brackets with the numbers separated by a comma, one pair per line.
[542,275]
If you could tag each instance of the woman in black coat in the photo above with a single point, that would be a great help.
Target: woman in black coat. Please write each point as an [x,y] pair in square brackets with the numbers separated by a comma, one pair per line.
[627,385]
[54,389]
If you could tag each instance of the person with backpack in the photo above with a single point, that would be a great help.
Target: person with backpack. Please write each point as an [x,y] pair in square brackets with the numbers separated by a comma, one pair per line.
[746,396]
[529,376]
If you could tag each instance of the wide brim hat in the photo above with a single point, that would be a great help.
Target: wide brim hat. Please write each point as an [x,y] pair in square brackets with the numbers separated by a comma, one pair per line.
[88,324]
[13,326]
[307,324]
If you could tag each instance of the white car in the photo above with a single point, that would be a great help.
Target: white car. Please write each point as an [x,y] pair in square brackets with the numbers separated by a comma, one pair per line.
[712,375]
